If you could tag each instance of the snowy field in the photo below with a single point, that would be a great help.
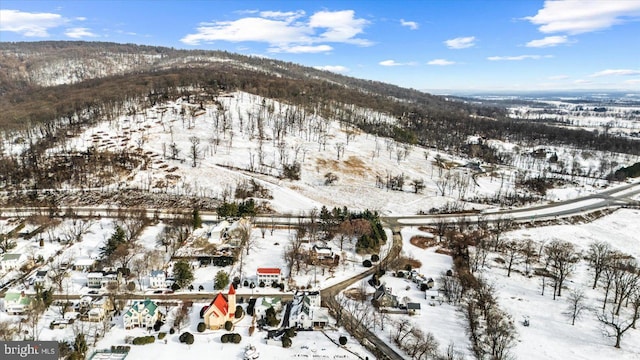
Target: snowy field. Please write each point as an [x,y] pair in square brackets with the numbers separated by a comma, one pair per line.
[550,334]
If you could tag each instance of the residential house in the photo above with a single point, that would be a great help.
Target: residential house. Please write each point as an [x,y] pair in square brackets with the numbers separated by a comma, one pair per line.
[233,233]
[143,314]
[221,309]
[99,308]
[433,296]
[306,312]
[323,255]
[110,279]
[17,303]
[218,234]
[40,278]
[413,308]
[261,306]
[158,279]
[383,297]
[10,261]
[269,275]
[94,280]
[84,264]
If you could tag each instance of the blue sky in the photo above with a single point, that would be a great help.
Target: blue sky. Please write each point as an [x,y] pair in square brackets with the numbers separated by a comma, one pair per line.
[428,45]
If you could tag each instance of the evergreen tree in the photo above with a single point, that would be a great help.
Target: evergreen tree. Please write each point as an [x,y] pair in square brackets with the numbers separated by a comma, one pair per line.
[80,345]
[221,280]
[119,237]
[182,274]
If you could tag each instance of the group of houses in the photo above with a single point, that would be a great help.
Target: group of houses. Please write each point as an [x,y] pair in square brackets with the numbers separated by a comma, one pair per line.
[385,301]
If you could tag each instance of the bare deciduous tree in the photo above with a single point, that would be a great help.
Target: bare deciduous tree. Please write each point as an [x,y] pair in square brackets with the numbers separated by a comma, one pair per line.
[194,150]
[576,300]
[599,257]
[561,257]
[615,325]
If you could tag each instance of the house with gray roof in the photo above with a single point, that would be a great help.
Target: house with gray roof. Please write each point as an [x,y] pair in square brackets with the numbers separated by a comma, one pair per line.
[10,261]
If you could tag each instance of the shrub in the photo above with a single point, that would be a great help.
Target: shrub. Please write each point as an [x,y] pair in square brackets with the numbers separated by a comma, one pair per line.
[236,338]
[261,284]
[131,286]
[162,335]
[290,332]
[143,340]
[228,325]
[186,337]
[239,312]
[201,327]
[286,342]
[157,325]
[246,283]
[342,340]
[367,263]
[224,338]
[375,258]
[172,331]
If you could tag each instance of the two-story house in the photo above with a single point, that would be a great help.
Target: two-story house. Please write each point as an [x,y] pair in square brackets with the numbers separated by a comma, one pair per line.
[143,314]
[158,279]
[17,303]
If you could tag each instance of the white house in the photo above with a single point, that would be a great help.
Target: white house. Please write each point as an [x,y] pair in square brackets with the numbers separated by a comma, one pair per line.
[41,278]
[10,261]
[219,232]
[269,275]
[17,302]
[84,264]
[157,279]
[306,312]
[94,280]
[143,314]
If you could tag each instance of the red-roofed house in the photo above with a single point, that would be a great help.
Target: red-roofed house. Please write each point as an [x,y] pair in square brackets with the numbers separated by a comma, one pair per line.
[221,309]
[269,275]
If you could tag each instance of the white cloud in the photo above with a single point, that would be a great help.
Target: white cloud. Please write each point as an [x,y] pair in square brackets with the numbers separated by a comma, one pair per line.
[341,26]
[81,18]
[286,31]
[441,62]
[333,68]
[632,81]
[548,41]
[576,17]
[518,58]
[410,24]
[289,15]
[394,63]
[299,49]
[77,33]
[461,42]
[616,72]
[29,24]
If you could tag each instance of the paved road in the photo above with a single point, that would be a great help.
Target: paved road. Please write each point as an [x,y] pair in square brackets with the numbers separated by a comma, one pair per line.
[377,346]
[609,199]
